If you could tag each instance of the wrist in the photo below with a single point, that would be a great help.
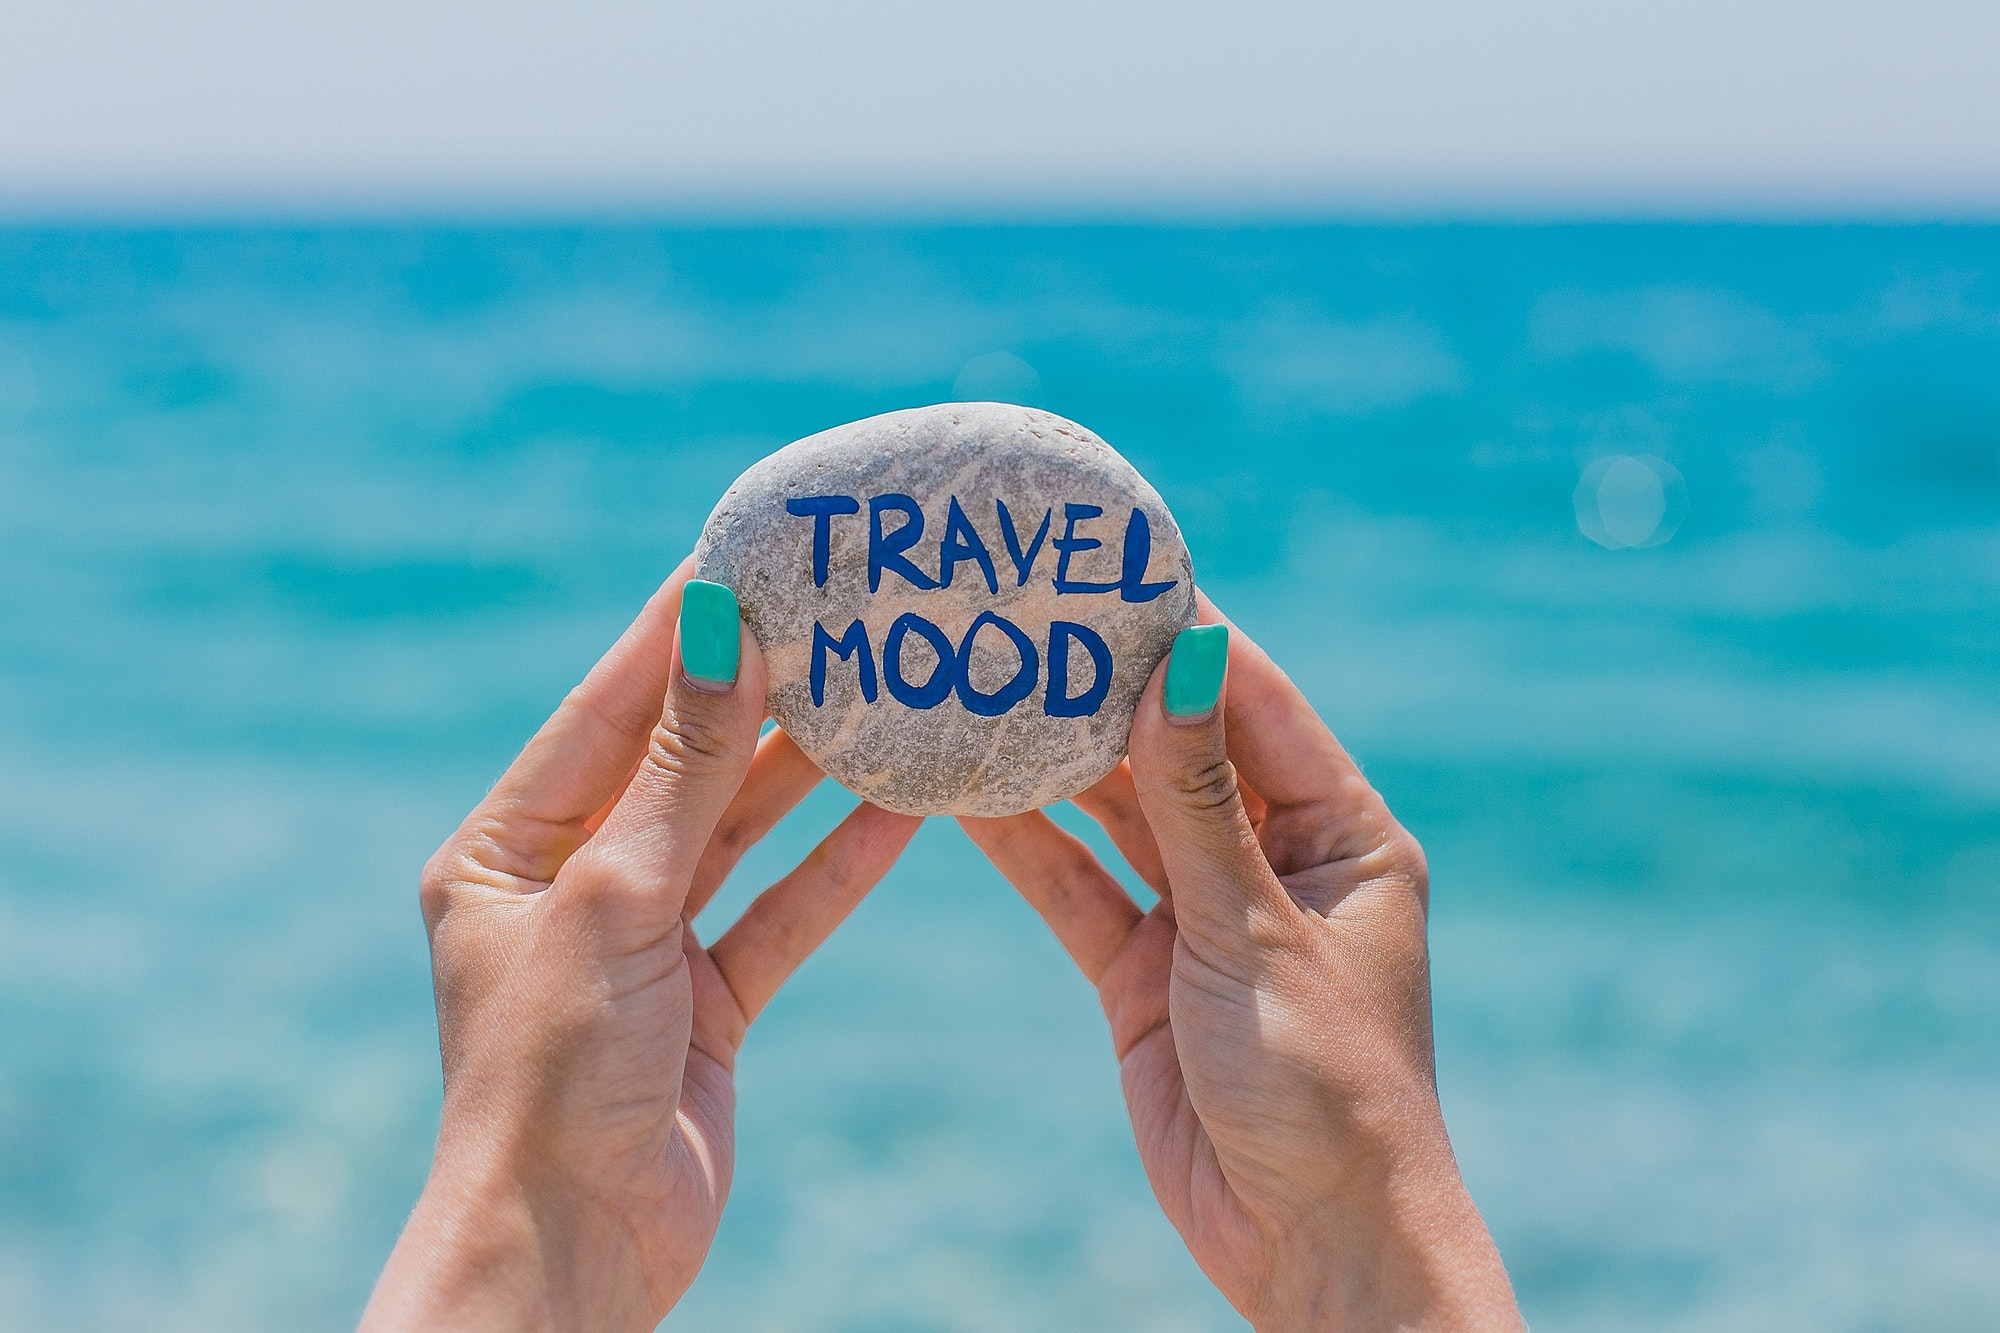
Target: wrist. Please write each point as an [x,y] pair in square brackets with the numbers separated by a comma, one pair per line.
[486,1249]
[1402,1246]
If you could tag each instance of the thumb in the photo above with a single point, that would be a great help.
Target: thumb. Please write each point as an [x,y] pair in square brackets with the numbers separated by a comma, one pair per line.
[696,758]
[1228,903]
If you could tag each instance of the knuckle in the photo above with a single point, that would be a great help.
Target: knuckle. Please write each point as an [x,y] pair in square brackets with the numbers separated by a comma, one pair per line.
[598,886]
[692,739]
[1415,868]
[1402,857]
[1415,862]
[831,863]
[1207,786]
[733,836]
[438,887]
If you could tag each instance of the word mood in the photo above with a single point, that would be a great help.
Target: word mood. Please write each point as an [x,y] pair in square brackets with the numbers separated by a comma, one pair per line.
[895,526]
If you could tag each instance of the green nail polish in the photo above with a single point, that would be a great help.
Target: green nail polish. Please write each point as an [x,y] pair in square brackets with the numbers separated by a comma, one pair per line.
[1194,669]
[709,639]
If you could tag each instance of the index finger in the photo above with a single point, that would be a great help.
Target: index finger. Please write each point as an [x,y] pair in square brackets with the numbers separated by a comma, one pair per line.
[780,777]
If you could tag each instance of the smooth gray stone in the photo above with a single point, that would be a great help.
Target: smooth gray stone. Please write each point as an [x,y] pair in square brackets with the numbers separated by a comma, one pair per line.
[947,759]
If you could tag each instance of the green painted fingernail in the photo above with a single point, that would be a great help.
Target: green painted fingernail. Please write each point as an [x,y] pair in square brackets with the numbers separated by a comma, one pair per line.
[710,642]
[1194,669]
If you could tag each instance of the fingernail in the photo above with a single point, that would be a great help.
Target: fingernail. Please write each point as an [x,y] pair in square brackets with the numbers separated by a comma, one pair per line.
[1194,670]
[710,641]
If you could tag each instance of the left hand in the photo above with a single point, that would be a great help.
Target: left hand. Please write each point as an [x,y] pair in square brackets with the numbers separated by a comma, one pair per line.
[589,1039]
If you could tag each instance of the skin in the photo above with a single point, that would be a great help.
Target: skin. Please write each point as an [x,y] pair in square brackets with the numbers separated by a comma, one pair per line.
[1271,1013]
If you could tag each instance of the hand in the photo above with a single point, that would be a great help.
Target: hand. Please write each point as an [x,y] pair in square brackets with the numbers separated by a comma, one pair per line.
[586,1142]
[1271,1013]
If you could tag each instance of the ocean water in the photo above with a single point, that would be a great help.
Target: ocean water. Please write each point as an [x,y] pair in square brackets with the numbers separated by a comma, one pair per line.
[1652,572]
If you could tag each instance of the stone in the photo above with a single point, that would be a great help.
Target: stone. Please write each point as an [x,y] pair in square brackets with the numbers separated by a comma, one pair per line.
[959,605]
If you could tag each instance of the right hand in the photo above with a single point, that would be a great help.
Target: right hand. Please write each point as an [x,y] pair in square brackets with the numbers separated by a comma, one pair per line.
[1271,1014]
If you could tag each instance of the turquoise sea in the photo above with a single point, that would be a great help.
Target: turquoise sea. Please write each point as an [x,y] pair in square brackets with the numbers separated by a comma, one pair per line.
[1653,572]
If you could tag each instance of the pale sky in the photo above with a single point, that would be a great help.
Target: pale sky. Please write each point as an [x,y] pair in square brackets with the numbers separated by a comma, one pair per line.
[1456,107]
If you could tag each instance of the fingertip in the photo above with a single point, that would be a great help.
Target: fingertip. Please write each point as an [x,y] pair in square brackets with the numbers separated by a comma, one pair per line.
[703,665]
[1192,683]
[711,727]
[1164,740]
[887,825]
[710,637]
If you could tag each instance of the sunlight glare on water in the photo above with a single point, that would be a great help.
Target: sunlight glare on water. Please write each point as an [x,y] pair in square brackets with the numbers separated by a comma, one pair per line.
[1622,501]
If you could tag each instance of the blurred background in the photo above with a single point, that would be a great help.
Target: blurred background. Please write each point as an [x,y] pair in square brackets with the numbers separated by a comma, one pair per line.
[1596,408]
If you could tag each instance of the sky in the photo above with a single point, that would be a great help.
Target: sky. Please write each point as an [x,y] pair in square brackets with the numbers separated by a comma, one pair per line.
[1695,107]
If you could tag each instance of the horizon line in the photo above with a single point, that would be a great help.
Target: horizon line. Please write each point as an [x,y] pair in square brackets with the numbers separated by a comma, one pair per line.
[738,208]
